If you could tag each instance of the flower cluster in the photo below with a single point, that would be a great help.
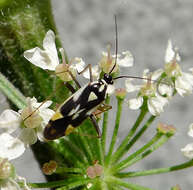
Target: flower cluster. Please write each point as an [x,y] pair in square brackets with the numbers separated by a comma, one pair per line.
[160,85]
[23,128]
[47,59]
[30,123]
[8,178]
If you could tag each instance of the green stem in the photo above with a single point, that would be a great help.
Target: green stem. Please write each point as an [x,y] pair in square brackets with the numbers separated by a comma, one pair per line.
[115,132]
[139,133]
[67,183]
[13,94]
[120,150]
[154,147]
[125,163]
[101,155]
[105,123]
[117,181]
[156,171]
[62,170]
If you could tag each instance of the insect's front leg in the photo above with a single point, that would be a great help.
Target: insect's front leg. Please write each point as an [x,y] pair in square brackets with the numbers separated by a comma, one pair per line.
[90,71]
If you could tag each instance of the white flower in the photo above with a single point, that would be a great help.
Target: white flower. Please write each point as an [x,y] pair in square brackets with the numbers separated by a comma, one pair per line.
[10,147]
[183,81]
[47,58]
[13,184]
[188,149]
[130,87]
[107,62]
[155,102]
[95,73]
[8,179]
[190,132]
[127,60]
[184,84]
[171,53]
[31,120]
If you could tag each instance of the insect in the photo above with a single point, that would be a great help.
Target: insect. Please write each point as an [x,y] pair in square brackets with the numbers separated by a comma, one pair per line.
[82,103]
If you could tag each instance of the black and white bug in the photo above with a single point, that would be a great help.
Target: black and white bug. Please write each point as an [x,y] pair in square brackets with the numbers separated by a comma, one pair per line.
[82,103]
[77,108]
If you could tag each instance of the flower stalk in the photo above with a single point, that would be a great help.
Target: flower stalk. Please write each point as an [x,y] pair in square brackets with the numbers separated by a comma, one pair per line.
[116,128]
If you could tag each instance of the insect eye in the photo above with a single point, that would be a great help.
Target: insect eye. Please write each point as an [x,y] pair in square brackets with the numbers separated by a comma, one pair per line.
[108,78]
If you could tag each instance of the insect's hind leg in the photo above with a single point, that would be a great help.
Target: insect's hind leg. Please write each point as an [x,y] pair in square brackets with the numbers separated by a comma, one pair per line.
[93,119]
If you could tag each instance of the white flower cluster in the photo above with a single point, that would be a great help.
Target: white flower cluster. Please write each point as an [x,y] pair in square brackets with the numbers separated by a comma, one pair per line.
[8,178]
[157,89]
[47,59]
[160,92]
[29,123]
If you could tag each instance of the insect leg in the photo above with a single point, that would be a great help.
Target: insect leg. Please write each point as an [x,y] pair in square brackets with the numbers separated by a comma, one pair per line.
[93,119]
[74,78]
[102,108]
[70,87]
[90,71]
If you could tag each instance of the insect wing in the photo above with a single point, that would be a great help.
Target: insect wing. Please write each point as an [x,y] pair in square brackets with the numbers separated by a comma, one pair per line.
[75,110]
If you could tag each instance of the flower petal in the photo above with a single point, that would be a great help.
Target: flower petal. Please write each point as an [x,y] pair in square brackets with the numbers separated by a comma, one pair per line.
[165,89]
[10,120]
[78,64]
[39,131]
[10,147]
[190,132]
[131,87]
[188,151]
[50,47]
[110,89]
[28,136]
[156,74]
[46,114]
[184,84]
[170,53]
[156,104]
[127,60]
[135,103]
[23,181]
[95,73]
[10,184]
[40,58]
[191,69]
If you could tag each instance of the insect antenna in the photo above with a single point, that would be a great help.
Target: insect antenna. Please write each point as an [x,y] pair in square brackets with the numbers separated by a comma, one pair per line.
[143,78]
[116,45]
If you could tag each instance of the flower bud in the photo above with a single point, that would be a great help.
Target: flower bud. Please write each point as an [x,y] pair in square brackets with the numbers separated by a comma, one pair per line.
[6,168]
[177,187]
[49,167]
[120,93]
[31,120]
[94,171]
[62,72]
[166,129]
